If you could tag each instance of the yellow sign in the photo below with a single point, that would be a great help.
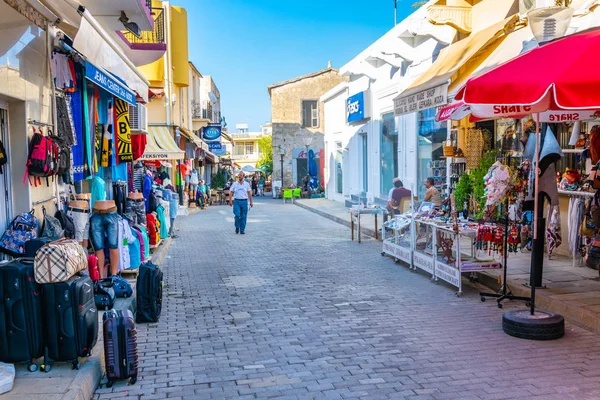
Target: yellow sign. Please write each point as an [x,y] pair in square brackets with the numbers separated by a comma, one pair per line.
[123,131]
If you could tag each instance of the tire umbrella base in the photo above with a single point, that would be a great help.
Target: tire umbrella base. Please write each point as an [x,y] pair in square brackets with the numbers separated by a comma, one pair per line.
[542,325]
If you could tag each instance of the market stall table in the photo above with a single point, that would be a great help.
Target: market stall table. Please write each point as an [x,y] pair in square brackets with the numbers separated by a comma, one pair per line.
[355,213]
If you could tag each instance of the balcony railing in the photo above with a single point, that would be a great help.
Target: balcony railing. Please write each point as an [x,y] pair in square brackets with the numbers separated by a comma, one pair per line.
[150,37]
[242,157]
[196,110]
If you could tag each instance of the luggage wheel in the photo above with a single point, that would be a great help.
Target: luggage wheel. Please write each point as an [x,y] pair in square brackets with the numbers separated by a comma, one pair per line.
[45,367]
[76,365]
[109,383]
[32,367]
[133,380]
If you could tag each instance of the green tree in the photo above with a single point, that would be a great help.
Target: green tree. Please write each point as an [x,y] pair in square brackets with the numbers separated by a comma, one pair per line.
[265,144]
[418,4]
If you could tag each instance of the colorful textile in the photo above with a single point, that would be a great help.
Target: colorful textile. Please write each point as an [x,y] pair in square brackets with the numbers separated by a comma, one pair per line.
[98,189]
[125,237]
[553,237]
[160,213]
[78,149]
[135,256]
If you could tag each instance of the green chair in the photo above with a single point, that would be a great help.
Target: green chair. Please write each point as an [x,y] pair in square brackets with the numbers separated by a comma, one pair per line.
[297,193]
[288,194]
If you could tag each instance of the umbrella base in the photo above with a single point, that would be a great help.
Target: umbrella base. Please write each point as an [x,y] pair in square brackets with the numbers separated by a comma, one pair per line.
[543,325]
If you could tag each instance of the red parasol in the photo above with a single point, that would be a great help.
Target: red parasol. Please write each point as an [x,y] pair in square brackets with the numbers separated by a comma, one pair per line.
[558,75]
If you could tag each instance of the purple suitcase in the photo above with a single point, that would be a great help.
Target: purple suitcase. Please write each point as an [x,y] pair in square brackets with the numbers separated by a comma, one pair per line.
[120,346]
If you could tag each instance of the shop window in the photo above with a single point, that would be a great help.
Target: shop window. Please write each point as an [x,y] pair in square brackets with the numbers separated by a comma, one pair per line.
[338,168]
[389,152]
[310,114]
[432,135]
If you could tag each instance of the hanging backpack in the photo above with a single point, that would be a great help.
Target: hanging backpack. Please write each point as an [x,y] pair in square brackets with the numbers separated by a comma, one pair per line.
[64,161]
[20,230]
[51,227]
[41,159]
[66,222]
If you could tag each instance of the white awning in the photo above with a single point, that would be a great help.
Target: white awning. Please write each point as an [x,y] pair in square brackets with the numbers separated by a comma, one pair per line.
[96,45]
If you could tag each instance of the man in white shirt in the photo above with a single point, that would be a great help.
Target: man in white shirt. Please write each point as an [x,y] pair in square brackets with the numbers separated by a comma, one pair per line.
[392,189]
[239,196]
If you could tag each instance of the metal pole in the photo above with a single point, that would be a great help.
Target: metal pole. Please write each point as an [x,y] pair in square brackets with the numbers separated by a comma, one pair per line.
[395,2]
[281,155]
[535,210]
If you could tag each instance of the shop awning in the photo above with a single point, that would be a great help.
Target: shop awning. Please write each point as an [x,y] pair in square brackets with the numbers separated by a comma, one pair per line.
[189,135]
[161,145]
[96,44]
[210,157]
[431,88]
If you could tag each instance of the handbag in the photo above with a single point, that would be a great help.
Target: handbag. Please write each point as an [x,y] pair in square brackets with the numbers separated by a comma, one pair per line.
[587,226]
[594,176]
[593,255]
[58,261]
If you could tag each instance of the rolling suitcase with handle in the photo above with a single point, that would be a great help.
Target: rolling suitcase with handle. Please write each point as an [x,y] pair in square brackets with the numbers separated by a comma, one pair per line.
[149,293]
[70,320]
[21,334]
[120,346]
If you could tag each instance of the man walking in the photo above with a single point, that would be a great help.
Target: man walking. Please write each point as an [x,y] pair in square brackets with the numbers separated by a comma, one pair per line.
[240,195]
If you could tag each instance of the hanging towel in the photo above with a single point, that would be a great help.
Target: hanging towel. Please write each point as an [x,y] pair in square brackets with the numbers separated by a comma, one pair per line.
[123,132]
[553,237]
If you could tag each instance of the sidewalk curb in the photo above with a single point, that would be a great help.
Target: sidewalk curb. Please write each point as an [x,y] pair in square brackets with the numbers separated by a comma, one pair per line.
[363,230]
[572,313]
[88,378]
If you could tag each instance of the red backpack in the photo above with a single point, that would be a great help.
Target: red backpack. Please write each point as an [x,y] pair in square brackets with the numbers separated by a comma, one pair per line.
[42,159]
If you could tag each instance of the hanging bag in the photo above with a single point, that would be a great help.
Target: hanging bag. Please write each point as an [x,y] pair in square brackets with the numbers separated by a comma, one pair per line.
[3,157]
[23,228]
[51,227]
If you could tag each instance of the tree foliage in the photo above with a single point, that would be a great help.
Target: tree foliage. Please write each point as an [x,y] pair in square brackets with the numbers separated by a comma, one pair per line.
[265,144]
[418,4]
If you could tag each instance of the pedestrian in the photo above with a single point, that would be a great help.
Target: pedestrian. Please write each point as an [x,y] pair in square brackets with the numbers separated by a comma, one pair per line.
[239,196]
[261,186]
[254,186]
[432,194]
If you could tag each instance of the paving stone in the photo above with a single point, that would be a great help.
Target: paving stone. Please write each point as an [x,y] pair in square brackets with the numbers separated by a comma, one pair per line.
[294,309]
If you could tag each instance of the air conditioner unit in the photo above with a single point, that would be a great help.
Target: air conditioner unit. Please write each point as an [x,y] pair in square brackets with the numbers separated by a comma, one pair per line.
[138,117]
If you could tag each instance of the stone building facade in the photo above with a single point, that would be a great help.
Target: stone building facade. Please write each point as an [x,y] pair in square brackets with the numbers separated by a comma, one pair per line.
[297,114]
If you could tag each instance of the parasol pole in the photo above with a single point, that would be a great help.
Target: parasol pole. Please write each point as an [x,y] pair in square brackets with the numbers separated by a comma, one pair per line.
[535,205]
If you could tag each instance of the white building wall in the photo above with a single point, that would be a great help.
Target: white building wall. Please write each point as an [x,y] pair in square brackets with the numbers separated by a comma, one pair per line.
[382,82]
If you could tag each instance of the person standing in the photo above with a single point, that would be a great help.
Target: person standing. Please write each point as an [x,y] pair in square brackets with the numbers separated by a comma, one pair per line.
[261,186]
[239,196]
[432,194]
[254,186]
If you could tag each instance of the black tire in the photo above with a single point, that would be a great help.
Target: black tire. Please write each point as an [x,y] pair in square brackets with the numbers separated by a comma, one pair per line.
[544,325]
[133,380]
[32,367]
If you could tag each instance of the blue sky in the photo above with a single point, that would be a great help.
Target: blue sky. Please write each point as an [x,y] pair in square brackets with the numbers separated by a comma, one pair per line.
[247,45]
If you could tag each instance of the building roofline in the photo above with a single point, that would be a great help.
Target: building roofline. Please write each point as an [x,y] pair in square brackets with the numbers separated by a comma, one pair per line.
[299,78]
[194,68]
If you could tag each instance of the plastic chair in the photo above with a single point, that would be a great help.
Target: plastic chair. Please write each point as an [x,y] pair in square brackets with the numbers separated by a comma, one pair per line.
[288,194]
[297,193]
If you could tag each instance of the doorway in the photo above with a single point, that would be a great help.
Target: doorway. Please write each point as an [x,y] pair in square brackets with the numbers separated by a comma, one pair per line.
[5,203]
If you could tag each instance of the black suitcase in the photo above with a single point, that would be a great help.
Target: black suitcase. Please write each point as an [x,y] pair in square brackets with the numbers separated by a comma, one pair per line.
[33,245]
[149,293]
[21,333]
[70,320]
[120,346]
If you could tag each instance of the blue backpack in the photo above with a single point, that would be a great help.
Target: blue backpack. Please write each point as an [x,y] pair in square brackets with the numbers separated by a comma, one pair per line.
[23,228]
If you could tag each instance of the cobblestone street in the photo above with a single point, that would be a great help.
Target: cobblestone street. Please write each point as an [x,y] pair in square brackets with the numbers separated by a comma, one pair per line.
[295,310]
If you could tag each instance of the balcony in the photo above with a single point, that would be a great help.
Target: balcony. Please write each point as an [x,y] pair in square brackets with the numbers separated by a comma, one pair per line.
[460,18]
[150,46]
[107,12]
[199,118]
[245,157]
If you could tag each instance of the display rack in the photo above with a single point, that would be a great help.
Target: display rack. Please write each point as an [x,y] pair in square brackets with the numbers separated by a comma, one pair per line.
[414,241]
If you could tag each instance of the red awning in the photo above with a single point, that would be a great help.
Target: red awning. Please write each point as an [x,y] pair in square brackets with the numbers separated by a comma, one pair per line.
[557,75]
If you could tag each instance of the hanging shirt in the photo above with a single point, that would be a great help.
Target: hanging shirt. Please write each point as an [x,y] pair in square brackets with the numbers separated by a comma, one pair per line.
[98,189]
[135,258]
[125,237]
[194,177]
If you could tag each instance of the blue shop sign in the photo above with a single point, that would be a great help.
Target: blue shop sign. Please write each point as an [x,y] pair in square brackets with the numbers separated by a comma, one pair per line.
[355,107]
[109,83]
[212,132]
[217,149]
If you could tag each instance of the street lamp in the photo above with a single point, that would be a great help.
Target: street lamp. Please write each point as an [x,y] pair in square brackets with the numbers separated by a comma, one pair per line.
[549,23]
[281,154]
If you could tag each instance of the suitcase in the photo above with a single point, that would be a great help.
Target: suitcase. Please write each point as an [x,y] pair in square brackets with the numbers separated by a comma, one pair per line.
[149,293]
[58,261]
[70,320]
[33,245]
[121,286]
[21,333]
[93,268]
[120,346]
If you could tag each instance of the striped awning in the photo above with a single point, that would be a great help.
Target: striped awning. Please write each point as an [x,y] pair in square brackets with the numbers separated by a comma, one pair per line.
[161,145]
[192,138]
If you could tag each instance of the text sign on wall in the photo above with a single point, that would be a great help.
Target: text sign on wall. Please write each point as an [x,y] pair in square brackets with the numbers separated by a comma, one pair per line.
[434,97]
[108,83]
[355,107]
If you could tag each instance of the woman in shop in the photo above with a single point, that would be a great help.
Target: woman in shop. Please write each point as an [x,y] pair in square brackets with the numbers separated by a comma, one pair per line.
[432,194]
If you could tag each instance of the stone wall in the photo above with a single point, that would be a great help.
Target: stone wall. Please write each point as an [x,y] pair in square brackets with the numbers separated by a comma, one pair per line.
[286,117]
